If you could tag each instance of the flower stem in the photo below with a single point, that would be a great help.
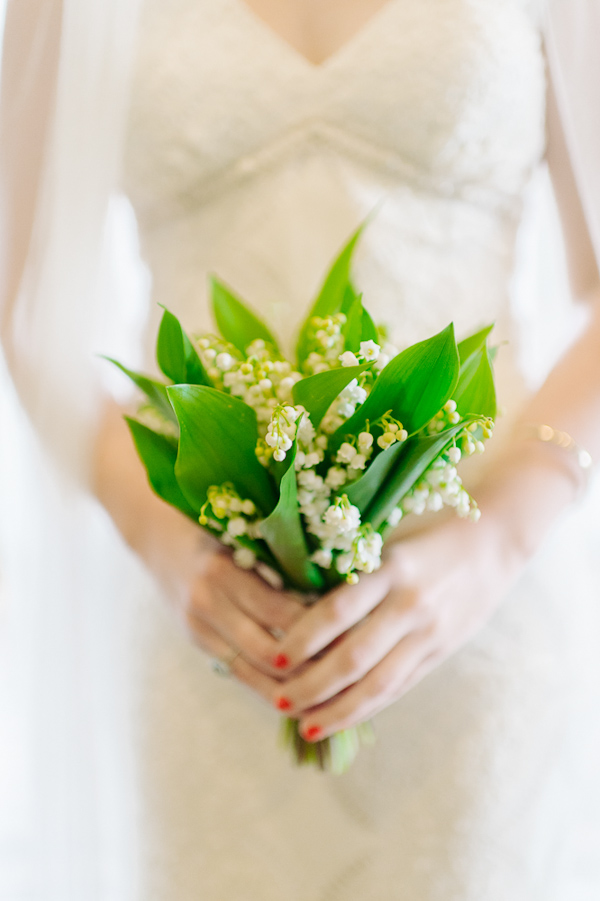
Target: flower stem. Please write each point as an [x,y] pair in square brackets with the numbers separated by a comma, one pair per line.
[334,754]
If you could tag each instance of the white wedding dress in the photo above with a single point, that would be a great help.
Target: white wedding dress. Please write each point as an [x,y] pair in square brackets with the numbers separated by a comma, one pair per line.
[244,159]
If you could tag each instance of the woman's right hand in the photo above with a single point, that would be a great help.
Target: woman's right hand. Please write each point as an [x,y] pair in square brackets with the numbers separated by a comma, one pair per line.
[224,608]
[228,610]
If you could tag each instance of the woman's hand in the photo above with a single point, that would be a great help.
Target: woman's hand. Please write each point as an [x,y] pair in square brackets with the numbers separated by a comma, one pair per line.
[225,609]
[374,640]
[229,611]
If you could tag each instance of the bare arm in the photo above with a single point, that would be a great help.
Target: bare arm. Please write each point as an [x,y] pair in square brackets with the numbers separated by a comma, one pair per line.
[439,587]
[223,607]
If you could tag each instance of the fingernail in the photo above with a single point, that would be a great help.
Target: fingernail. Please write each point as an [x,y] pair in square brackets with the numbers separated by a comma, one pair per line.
[281,661]
[312,732]
[283,704]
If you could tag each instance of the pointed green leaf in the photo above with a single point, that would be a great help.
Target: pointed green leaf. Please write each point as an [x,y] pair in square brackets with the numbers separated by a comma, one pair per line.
[350,295]
[414,386]
[155,391]
[317,392]
[283,532]
[353,327]
[196,374]
[475,391]
[236,322]
[369,329]
[169,349]
[362,492]
[334,292]
[158,454]
[217,445]
[176,355]
[419,453]
[473,343]
[358,327]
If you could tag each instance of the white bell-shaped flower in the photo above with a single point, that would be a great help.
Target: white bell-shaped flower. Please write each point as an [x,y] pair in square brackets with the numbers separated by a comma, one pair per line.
[348,359]
[369,350]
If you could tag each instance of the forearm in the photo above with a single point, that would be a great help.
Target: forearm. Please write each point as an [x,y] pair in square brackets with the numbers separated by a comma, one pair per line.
[532,483]
[570,397]
[165,539]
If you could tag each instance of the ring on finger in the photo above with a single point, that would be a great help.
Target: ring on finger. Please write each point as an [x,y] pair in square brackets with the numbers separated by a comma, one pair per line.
[222,665]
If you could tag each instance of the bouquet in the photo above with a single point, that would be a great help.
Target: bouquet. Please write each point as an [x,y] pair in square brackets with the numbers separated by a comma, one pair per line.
[303,469]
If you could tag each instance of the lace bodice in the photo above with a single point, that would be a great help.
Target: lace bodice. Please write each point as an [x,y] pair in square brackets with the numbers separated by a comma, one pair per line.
[245,158]
[446,96]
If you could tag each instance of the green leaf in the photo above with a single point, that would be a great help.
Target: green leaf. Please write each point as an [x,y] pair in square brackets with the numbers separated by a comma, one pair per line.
[419,453]
[236,322]
[362,492]
[334,293]
[169,348]
[473,343]
[369,329]
[353,327]
[358,327]
[156,392]
[414,386]
[158,454]
[217,445]
[283,532]
[475,392]
[317,392]
[350,295]
[175,354]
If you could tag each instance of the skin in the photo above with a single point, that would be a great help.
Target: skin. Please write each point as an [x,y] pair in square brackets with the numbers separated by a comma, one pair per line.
[316,30]
[435,589]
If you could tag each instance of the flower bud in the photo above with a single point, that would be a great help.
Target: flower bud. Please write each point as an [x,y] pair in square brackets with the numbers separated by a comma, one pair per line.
[244,557]
[454,455]
[224,361]
[358,461]
[394,517]
[346,453]
[237,526]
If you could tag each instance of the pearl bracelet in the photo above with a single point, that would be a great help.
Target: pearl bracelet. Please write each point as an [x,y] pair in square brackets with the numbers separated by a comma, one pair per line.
[549,435]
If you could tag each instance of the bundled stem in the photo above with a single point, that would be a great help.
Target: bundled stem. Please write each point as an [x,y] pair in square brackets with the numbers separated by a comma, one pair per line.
[335,754]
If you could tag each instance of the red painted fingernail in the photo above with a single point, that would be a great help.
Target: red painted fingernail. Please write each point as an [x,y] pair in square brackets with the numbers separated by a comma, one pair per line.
[283,704]
[281,661]
[312,732]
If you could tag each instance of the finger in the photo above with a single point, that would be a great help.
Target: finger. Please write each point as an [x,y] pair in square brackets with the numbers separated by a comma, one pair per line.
[333,615]
[359,651]
[212,604]
[377,690]
[211,642]
[272,609]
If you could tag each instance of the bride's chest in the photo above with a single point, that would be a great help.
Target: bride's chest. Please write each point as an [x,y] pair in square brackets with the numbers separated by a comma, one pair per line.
[452,88]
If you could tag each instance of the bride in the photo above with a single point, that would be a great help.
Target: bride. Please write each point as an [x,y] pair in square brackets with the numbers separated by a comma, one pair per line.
[250,137]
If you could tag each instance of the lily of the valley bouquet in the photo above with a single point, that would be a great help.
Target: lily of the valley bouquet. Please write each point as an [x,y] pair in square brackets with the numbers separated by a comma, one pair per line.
[303,468]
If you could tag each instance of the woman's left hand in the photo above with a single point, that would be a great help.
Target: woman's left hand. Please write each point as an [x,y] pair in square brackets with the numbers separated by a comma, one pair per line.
[363,646]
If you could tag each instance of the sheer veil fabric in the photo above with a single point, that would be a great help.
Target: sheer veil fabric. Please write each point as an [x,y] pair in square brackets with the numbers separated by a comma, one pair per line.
[72,836]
